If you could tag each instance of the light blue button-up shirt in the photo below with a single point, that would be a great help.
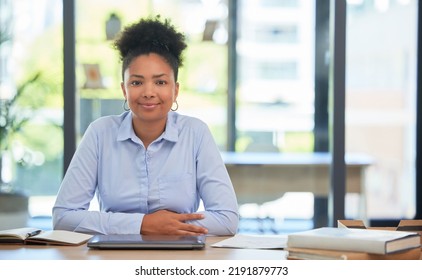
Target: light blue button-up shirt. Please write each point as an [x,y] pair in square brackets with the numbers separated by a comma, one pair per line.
[178,170]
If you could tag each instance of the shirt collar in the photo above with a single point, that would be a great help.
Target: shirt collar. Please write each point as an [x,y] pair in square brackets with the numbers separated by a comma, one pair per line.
[126,129]
[171,133]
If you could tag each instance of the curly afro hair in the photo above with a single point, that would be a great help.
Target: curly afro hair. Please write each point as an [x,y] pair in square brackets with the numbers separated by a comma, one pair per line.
[151,35]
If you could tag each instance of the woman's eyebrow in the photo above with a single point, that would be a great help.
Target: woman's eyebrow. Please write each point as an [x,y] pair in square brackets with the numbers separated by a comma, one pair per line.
[153,76]
[136,76]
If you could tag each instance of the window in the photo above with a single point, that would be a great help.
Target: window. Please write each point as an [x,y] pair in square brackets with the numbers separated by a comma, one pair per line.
[37,158]
[275,76]
[381,101]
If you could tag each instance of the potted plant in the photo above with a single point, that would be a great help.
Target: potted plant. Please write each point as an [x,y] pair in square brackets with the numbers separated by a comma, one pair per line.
[13,201]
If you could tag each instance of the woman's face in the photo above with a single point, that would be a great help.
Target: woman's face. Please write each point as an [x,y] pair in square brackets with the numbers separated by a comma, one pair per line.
[149,88]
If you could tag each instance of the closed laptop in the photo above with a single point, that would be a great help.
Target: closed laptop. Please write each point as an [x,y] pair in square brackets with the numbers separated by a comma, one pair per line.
[137,241]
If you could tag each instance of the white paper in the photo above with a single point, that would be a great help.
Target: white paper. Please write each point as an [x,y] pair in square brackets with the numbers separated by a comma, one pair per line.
[243,241]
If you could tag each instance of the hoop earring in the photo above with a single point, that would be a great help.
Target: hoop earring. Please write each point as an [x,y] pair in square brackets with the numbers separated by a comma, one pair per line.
[125,107]
[177,106]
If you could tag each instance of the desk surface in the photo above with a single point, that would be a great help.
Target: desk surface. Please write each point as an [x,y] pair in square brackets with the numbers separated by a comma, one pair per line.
[46,252]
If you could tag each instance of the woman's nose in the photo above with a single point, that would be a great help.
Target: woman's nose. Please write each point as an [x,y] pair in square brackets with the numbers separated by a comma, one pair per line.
[148,91]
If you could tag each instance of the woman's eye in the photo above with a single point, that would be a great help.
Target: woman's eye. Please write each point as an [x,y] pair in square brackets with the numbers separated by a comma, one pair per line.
[135,83]
[161,82]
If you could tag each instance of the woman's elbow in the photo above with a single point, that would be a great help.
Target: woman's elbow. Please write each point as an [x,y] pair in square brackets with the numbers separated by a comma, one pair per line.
[58,217]
[231,225]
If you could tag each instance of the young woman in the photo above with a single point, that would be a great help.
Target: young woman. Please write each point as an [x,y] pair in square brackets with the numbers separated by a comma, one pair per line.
[150,167]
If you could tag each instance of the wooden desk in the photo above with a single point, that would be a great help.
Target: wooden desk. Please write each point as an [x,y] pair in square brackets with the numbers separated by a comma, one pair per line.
[45,252]
[263,177]
[277,173]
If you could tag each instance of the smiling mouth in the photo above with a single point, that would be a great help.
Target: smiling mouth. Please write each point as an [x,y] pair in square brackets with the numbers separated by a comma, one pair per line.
[149,105]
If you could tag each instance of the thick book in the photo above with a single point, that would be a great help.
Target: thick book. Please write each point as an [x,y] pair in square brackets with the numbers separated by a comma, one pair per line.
[404,225]
[37,236]
[321,254]
[356,240]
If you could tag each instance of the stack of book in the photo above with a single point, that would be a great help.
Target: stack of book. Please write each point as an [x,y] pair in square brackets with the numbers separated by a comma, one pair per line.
[330,243]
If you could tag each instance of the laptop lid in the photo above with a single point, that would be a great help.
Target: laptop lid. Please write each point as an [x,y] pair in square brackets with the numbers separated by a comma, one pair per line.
[137,241]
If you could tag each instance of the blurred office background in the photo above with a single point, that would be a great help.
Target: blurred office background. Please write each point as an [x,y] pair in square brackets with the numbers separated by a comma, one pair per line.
[261,87]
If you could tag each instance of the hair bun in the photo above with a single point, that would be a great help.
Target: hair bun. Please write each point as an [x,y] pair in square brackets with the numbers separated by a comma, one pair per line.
[151,35]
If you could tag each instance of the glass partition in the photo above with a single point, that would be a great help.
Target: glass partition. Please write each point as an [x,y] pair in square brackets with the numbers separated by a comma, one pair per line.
[381,102]
[32,68]
[275,91]
[275,116]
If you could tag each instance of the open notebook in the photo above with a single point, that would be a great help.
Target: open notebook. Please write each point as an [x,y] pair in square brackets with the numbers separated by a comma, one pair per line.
[137,241]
